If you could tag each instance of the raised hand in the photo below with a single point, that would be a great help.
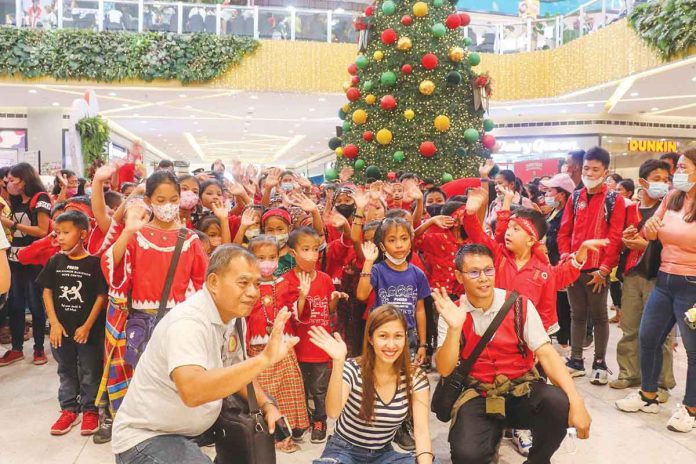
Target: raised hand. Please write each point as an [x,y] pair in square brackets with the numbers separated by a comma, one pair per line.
[338,220]
[273,178]
[345,174]
[376,190]
[249,217]
[219,210]
[370,251]
[137,216]
[486,168]
[104,173]
[277,349]
[303,201]
[305,283]
[234,188]
[334,345]
[453,315]
[444,222]
[361,200]
[475,200]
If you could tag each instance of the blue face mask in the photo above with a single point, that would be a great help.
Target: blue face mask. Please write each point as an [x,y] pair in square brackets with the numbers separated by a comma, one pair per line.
[88,191]
[657,190]
[287,186]
[681,182]
[551,202]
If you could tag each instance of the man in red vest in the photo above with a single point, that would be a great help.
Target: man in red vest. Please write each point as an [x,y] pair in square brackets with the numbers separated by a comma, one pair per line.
[503,388]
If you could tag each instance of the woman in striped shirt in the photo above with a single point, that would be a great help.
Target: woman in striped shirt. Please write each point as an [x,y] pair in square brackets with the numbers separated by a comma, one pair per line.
[373,395]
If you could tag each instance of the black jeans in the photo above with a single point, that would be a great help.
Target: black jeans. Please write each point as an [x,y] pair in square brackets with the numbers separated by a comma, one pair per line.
[79,370]
[615,291]
[475,436]
[25,293]
[316,382]
[563,312]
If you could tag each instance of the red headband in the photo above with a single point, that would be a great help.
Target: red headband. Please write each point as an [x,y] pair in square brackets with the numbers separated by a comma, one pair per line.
[80,207]
[279,212]
[527,226]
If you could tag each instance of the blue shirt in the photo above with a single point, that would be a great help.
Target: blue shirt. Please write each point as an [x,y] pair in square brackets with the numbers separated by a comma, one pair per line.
[402,289]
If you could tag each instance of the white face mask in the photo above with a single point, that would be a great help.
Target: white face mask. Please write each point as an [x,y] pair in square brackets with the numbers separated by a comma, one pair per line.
[551,202]
[592,183]
[393,260]
[657,190]
[681,182]
[167,212]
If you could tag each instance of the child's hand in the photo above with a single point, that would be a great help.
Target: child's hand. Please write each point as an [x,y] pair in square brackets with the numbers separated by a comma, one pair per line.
[81,334]
[474,200]
[361,200]
[444,222]
[303,201]
[104,173]
[420,356]
[235,189]
[590,245]
[57,334]
[345,174]
[305,283]
[338,220]
[248,218]
[486,168]
[334,346]
[273,179]
[370,251]
[219,210]
[338,296]
[376,190]
[137,217]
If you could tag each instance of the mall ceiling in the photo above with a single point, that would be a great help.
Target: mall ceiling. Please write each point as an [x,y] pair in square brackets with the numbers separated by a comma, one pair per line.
[200,125]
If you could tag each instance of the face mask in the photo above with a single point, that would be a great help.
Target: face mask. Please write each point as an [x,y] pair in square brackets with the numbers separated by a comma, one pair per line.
[393,260]
[13,189]
[287,186]
[72,250]
[167,212]
[251,233]
[88,191]
[590,184]
[229,204]
[681,182]
[434,209]
[551,202]
[282,239]
[215,241]
[71,192]
[657,190]
[345,210]
[188,200]
[268,267]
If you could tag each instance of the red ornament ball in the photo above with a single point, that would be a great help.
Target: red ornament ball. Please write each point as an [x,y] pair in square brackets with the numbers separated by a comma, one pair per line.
[407,69]
[391,175]
[488,141]
[465,19]
[353,94]
[350,151]
[388,102]
[429,61]
[355,80]
[426,149]
[453,21]
[369,11]
[389,36]
[352,69]
[368,136]
[406,20]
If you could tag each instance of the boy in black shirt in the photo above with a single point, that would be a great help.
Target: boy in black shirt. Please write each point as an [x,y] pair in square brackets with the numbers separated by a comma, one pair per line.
[74,295]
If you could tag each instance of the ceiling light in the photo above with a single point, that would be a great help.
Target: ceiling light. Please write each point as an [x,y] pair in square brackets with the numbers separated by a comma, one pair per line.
[192,115]
[654,108]
[125,105]
[311,110]
[609,140]
[33,90]
[634,94]
[297,125]
[251,108]
[136,115]
[291,131]
[693,79]
[159,135]
[590,105]
[564,111]
[322,99]
[188,107]
[112,94]
[182,95]
[199,130]
[143,122]
[254,97]
[55,104]
[507,108]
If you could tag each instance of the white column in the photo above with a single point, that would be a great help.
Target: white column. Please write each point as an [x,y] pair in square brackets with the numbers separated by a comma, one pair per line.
[141,15]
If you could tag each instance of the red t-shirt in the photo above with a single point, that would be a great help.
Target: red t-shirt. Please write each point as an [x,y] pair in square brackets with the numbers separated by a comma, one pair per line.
[316,313]
[126,173]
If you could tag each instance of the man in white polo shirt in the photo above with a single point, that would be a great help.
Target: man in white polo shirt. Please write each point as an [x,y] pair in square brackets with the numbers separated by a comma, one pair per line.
[177,390]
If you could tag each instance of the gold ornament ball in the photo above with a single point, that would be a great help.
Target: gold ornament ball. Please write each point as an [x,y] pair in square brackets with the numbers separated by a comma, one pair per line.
[359,116]
[378,55]
[347,85]
[339,151]
[442,123]
[420,9]
[404,44]
[370,99]
[426,87]
[346,107]
[409,114]
[384,137]
[456,54]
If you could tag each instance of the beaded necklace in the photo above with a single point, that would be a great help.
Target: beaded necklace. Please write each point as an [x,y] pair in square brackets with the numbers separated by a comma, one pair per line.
[264,302]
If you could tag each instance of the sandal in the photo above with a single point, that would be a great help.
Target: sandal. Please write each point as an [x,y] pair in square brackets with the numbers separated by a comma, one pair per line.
[287,446]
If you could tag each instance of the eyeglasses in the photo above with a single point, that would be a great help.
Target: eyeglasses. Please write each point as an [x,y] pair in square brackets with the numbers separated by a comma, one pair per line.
[488,271]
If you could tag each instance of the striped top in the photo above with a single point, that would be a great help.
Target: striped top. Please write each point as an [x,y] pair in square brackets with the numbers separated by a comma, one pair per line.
[387,417]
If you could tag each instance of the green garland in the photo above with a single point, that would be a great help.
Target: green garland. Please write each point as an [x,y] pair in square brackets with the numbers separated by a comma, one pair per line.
[669,27]
[94,134]
[114,56]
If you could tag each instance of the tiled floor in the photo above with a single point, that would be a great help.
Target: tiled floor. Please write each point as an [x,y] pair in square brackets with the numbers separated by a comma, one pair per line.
[28,407]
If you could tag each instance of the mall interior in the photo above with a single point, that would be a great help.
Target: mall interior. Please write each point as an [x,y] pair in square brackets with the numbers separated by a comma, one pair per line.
[565,75]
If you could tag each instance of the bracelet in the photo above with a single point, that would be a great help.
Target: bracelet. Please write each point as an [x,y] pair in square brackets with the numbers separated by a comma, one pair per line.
[269,401]
[13,227]
[424,345]
[365,274]
[424,452]
[358,216]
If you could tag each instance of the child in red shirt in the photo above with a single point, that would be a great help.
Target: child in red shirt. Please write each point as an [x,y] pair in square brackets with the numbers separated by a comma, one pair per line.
[314,298]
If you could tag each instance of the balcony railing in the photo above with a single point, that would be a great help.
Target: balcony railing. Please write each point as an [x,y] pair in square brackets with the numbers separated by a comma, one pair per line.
[507,35]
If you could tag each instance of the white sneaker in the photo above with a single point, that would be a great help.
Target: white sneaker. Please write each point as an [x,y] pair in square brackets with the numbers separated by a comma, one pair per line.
[522,440]
[635,402]
[600,374]
[681,420]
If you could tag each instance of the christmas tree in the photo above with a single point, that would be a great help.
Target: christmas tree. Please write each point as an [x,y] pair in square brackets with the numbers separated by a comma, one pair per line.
[414,102]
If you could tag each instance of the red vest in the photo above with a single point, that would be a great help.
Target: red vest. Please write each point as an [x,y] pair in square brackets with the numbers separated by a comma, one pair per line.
[502,354]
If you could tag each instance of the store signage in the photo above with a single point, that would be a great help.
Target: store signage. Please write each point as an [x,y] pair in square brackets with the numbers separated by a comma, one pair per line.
[653,146]
[517,147]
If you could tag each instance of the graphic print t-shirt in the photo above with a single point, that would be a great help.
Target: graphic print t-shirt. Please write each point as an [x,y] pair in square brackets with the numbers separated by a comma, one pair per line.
[75,284]
[402,289]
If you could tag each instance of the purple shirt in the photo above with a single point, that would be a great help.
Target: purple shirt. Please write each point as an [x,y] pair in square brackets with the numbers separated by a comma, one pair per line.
[402,289]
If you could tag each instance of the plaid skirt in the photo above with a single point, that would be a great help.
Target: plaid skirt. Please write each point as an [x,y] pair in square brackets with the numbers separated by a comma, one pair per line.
[283,381]
[117,373]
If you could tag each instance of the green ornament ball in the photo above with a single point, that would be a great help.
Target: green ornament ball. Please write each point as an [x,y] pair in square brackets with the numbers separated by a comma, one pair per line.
[388,7]
[367,86]
[447,177]
[399,156]
[361,61]
[330,174]
[474,59]
[374,172]
[471,135]
[359,164]
[341,114]
[488,125]
[454,78]
[437,3]
[334,143]
[438,30]
[461,151]
[388,78]
[468,41]
[346,126]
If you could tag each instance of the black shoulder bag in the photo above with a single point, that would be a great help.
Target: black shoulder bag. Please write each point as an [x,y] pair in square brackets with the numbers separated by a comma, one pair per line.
[140,325]
[449,388]
[241,433]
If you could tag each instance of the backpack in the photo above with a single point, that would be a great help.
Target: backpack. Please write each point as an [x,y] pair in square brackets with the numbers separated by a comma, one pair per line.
[609,203]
